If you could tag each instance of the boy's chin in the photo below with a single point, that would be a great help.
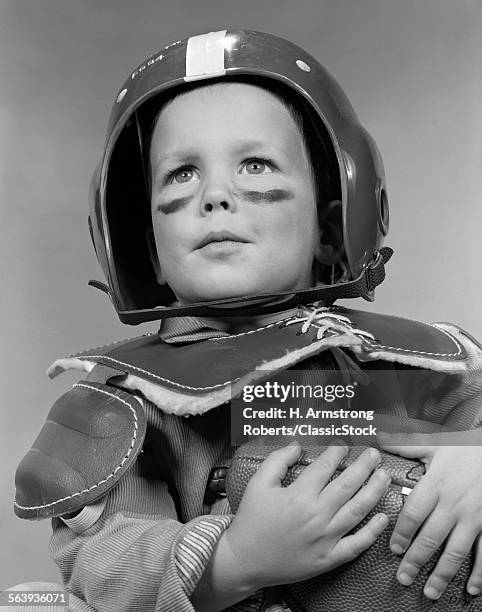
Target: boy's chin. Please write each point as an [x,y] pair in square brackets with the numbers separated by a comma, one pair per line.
[234,287]
[224,292]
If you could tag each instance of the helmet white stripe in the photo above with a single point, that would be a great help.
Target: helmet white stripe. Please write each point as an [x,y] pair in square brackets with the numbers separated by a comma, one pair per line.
[205,56]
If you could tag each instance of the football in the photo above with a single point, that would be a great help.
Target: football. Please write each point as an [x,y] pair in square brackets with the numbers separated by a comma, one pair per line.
[368,583]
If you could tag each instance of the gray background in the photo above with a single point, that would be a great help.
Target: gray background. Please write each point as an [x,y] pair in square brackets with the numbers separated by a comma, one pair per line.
[410,69]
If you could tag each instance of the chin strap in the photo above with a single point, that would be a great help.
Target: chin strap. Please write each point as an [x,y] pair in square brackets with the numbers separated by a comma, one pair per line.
[362,286]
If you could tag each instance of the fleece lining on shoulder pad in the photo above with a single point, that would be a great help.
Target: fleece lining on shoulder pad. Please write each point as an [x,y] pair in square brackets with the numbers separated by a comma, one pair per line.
[92,435]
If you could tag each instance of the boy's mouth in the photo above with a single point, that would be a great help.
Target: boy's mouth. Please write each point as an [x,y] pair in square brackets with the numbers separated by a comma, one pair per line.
[222,236]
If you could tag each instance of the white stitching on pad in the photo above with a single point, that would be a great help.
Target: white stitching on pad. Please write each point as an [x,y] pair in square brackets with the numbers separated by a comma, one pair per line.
[251,331]
[173,383]
[176,384]
[396,348]
[112,344]
[110,475]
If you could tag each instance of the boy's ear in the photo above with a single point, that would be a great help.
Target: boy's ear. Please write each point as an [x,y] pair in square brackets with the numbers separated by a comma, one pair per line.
[330,248]
[151,245]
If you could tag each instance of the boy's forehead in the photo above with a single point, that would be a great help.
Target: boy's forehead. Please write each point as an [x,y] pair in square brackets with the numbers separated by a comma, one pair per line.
[225,94]
[244,110]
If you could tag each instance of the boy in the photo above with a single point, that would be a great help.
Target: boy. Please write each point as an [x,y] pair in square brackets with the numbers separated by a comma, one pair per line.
[265,193]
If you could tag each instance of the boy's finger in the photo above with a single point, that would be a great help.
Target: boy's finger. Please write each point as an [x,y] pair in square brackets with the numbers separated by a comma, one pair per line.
[340,490]
[350,547]
[316,475]
[456,550]
[431,537]
[355,509]
[274,467]
[474,584]
[418,505]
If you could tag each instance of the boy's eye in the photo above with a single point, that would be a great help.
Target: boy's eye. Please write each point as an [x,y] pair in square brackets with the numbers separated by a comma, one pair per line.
[182,175]
[256,166]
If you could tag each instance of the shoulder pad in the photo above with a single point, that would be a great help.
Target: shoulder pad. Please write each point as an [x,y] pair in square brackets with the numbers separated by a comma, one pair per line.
[192,378]
[209,364]
[92,435]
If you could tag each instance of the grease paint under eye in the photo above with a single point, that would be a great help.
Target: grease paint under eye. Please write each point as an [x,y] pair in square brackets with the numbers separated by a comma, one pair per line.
[272,195]
[173,205]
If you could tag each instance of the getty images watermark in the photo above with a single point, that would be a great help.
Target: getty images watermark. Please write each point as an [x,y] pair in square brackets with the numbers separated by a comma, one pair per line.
[294,404]
[318,406]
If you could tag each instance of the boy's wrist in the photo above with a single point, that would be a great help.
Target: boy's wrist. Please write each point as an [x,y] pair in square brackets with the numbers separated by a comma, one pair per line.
[248,582]
[225,581]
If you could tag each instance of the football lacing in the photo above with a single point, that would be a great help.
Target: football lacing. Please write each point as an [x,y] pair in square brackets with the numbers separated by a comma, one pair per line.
[328,321]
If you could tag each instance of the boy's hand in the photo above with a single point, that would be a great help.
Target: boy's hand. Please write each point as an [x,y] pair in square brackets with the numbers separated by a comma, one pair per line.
[446,506]
[286,534]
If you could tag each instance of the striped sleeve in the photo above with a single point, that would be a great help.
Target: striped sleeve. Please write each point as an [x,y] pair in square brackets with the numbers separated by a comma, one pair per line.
[193,551]
[195,547]
[137,555]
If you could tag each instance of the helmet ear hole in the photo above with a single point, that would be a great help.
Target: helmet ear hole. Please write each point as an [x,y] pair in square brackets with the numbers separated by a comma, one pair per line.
[331,247]
[151,245]
[383,210]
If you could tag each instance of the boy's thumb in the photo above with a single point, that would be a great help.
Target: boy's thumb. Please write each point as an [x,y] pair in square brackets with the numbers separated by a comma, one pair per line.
[275,466]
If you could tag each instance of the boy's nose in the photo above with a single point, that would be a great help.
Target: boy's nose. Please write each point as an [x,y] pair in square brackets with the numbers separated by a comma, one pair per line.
[209,207]
[216,198]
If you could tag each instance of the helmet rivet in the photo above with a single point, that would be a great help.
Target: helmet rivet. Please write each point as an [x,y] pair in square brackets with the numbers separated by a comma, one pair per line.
[121,96]
[303,65]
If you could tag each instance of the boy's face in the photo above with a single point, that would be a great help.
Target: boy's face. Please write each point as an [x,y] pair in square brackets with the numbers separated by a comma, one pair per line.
[233,202]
